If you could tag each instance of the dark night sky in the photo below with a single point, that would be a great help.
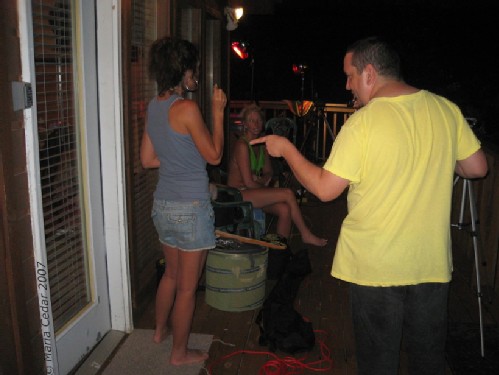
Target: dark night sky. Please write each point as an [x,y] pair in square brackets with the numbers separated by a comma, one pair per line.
[449,48]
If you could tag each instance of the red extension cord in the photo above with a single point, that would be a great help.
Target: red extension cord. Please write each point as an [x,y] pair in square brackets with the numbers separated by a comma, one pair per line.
[286,365]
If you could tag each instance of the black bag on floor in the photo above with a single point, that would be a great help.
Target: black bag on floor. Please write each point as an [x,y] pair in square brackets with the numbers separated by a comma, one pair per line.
[277,259]
[281,326]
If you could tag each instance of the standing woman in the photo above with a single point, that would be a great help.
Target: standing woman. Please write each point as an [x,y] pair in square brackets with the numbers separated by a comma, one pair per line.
[178,142]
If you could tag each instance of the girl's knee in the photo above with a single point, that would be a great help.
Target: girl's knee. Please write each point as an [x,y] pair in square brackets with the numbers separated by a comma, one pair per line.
[289,194]
[283,210]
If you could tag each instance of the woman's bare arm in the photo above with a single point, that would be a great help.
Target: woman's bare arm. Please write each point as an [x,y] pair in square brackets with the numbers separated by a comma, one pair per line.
[148,156]
[186,118]
[241,156]
[267,171]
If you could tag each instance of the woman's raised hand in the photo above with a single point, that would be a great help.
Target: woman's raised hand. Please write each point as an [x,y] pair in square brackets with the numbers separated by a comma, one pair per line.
[219,99]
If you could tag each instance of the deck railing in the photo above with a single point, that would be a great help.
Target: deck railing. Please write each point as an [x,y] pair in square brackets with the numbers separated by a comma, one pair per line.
[336,113]
[316,129]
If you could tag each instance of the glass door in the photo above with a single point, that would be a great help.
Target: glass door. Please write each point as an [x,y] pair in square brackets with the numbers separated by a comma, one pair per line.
[72,269]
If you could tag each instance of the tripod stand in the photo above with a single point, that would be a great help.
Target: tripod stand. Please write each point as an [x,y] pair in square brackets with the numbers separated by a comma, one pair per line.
[468,188]
[318,120]
[319,123]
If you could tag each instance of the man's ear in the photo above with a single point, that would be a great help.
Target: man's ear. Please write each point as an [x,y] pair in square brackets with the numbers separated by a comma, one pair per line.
[370,74]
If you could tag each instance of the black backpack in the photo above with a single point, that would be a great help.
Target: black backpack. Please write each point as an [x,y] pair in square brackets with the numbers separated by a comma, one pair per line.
[281,326]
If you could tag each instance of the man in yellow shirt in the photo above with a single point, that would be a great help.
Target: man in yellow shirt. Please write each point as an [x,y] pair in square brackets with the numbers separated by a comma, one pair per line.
[398,155]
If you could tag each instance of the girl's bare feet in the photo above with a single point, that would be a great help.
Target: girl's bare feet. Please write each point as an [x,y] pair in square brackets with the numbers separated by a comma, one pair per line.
[191,356]
[160,335]
[312,239]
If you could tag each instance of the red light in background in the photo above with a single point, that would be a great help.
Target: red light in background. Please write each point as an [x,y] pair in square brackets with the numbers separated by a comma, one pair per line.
[240,50]
[299,68]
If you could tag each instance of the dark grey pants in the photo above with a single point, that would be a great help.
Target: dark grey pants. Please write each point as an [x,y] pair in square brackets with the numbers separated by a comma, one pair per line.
[381,315]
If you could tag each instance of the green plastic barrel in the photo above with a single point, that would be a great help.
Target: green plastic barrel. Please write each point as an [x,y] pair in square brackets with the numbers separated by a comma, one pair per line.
[236,274]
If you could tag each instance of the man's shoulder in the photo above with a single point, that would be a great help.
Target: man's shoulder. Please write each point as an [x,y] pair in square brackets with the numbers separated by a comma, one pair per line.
[441,100]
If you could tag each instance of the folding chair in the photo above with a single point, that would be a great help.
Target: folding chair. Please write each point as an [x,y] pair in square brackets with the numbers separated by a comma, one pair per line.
[234,215]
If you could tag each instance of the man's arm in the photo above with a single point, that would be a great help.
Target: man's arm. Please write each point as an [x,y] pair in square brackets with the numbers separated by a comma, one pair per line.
[474,166]
[323,184]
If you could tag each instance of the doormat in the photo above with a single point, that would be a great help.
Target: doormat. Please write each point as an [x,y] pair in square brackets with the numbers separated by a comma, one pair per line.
[140,355]
[463,350]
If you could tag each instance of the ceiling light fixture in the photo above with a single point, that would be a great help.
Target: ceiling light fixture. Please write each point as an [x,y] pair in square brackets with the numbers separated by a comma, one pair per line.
[233,17]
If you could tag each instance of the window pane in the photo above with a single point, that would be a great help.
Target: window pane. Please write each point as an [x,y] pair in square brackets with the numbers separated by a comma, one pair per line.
[58,133]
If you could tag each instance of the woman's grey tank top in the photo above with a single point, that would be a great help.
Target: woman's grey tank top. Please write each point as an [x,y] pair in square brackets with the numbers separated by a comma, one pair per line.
[182,171]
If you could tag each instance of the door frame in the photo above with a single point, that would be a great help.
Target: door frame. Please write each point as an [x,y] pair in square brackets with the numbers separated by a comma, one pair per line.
[113,161]
[109,108]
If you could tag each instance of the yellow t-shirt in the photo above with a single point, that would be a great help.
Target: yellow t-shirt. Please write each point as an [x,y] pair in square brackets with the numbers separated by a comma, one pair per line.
[399,155]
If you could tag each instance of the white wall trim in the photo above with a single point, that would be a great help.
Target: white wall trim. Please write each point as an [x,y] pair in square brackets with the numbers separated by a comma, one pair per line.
[113,162]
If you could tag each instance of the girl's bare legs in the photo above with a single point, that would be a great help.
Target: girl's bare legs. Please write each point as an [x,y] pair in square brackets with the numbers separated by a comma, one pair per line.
[177,289]
[165,294]
[189,268]
[283,214]
[267,198]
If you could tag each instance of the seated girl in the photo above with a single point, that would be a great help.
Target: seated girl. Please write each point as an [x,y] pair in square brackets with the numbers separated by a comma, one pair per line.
[250,171]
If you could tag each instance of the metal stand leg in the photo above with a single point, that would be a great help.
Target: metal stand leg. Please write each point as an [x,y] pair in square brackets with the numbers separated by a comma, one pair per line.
[322,129]
[289,176]
[468,187]
[331,134]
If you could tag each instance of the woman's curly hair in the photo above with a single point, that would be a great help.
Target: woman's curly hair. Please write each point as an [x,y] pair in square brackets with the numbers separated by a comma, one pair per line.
[169,59]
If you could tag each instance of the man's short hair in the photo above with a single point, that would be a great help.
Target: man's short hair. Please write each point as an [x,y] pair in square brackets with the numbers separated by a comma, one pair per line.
[377,52]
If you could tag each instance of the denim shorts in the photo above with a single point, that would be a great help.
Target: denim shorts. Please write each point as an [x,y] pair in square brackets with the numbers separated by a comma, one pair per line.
[188,226]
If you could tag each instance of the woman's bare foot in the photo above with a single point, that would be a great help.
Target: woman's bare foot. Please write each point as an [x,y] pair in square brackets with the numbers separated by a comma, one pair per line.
[312,239]
[191,356]
[160,336]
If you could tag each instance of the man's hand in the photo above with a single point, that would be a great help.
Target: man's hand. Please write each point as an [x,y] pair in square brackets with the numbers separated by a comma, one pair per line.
[275,144]
[323,184]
